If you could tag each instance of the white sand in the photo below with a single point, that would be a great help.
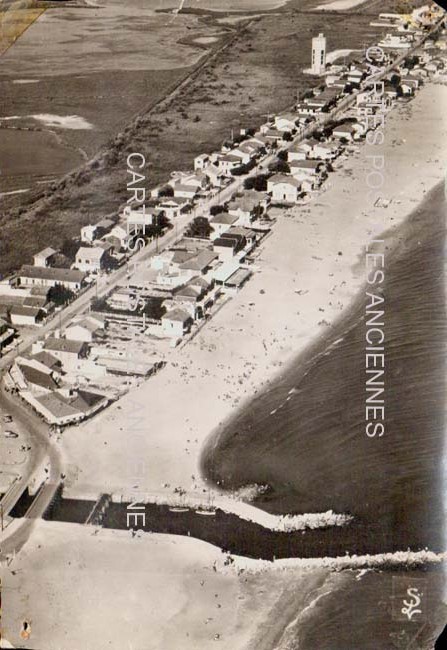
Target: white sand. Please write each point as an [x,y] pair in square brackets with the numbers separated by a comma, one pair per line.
[80,587]
[164,423]
[339,5]
[73,122]
[338,54]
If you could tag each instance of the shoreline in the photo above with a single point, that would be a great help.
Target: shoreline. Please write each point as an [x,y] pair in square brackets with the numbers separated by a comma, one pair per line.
[174,437]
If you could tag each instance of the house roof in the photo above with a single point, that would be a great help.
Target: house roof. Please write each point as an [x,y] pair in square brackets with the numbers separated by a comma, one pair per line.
[64,345]
[181,256]
[58,408]
[344,128]
[198,281]
[223,218]
[230,157]
[105,224]
[199,262]
[87,253]
[178,315]
[85,323]
[188,291]
[58,275]
[172,201]
[225,242]
[35,301]
[83,400]
[282,178]
[46,252]
[183,187]
[21,310]
[47,359]
[37,377]
[306,164]
[226,270]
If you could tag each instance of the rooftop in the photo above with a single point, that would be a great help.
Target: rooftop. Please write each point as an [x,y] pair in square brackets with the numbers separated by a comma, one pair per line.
[37,377]
[44,273]
[86,252]
[64,345]
[223,218]
[178,315]
[47,252]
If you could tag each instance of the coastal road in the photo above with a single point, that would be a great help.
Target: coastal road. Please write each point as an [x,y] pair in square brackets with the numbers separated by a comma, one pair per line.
[44,452]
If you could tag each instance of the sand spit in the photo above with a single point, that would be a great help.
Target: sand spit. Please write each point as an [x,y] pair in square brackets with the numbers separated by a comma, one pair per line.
[170,592]
[340,5]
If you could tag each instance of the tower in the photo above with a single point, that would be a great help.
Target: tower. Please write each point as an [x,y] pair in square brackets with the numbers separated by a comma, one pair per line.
[318,54]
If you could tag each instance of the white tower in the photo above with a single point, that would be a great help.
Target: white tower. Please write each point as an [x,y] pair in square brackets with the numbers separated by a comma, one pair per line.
[319,54]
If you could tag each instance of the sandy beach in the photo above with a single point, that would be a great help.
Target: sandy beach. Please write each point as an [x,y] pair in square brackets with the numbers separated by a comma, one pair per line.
[307,275]
[116,576]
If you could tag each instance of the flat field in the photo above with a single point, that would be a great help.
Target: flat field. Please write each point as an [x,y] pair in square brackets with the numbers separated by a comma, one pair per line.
[259,71]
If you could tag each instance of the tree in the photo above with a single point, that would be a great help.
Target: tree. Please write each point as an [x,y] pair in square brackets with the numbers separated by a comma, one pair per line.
[199,227]
[60,295]
[280,166]
[69,248]
[167,190]
[260,182]
[288,137]
[282,155]
[215,209]
[249,183]
[395,80]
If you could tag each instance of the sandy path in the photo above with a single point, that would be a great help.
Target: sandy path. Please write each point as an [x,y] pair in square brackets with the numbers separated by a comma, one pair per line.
[163,424]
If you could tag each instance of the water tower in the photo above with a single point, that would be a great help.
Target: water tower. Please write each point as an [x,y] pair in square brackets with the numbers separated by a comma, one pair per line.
[319,54]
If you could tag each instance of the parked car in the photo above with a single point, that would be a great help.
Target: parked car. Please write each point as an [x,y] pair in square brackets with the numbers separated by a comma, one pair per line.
[11,434]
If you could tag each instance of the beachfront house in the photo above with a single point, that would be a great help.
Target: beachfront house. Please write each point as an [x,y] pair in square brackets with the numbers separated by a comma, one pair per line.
[296,152]
[221,222]
[307,168]
[284,189]
[326,150]
[249,206]
[231,276]
[176,322]
[345,131]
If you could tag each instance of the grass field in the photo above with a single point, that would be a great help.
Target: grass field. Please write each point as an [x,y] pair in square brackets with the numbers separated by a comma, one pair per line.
[260,72]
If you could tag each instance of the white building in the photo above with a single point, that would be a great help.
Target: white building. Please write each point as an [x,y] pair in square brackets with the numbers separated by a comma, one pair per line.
[43,259]
[90,260]
[88,234]
[319,54]
[284,188]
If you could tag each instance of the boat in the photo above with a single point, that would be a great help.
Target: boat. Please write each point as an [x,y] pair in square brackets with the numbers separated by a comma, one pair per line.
[179,509]
[210,512]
